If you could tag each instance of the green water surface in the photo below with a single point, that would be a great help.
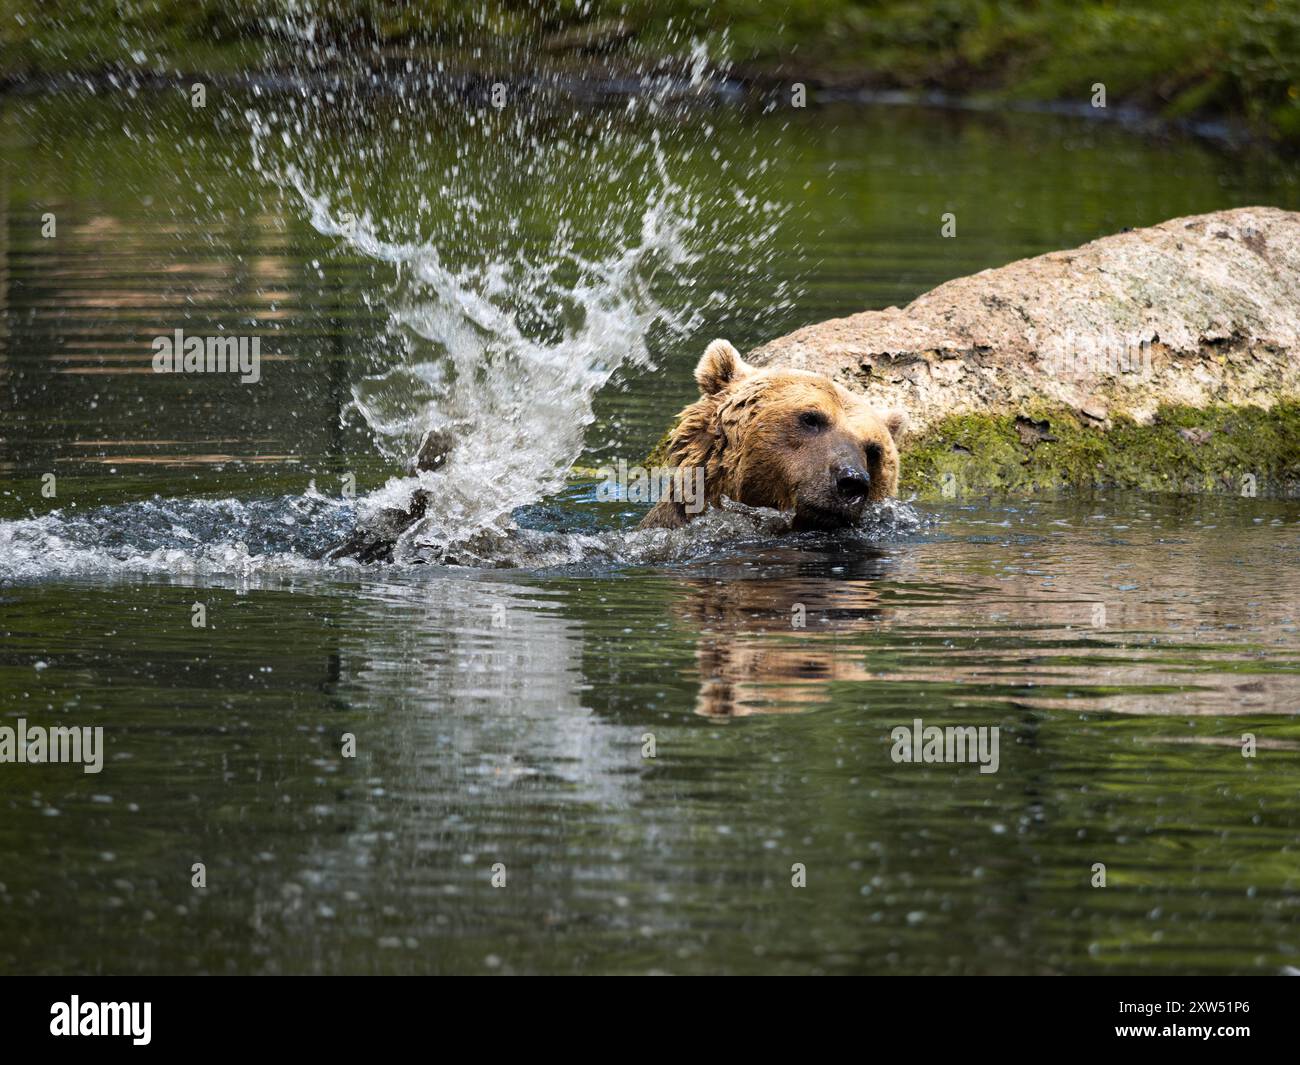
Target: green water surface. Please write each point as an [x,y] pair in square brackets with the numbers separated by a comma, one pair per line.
[1122,645]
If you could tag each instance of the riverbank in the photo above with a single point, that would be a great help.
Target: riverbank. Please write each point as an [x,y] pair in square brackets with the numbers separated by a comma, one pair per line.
[1198,60]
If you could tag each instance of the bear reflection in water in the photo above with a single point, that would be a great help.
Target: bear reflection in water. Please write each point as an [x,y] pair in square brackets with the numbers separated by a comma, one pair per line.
[774,644]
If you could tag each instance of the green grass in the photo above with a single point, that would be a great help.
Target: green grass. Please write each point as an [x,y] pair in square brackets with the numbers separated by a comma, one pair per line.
[1198,58]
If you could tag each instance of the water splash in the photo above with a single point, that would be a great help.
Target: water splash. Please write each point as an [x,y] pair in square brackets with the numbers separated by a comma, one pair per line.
[284,537]
[525,257]
[514,401]
[537,248]
[726,529]
[174,537]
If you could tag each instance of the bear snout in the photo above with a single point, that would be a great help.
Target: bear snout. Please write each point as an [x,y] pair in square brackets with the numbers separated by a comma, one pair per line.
[850,483]
[836,502]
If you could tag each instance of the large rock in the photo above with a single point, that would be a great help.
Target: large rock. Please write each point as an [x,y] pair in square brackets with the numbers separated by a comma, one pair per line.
[1193,311]
[1198,313]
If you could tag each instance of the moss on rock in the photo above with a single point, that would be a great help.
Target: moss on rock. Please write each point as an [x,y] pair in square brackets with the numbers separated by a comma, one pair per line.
[1183,449]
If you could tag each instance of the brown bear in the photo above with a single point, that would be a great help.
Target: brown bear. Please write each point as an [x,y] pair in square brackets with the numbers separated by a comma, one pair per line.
[787,439]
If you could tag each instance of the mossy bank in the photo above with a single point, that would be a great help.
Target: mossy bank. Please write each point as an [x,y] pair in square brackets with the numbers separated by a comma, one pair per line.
[1182,59]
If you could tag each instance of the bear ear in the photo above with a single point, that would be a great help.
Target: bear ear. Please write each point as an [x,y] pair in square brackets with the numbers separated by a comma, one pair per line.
[896,422]
[718,367]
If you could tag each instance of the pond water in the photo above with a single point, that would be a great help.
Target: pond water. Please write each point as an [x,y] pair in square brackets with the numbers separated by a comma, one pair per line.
[505,709]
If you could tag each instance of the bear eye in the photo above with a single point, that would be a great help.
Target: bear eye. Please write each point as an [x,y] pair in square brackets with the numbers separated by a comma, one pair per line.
[874,451]
[813,419]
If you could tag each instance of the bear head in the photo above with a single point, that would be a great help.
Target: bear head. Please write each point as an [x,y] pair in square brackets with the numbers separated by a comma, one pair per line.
[787,439]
